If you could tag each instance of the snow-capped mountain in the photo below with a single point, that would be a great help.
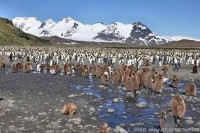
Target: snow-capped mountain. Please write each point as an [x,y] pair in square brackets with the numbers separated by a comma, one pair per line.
[28,25]
[115,32]
[48,24]
[141,34]
[71,29]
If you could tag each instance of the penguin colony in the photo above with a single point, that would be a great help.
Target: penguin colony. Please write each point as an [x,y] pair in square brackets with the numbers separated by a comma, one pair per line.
[129,68]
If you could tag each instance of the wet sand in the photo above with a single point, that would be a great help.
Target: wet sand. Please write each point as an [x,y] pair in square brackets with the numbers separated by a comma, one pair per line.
[32,102]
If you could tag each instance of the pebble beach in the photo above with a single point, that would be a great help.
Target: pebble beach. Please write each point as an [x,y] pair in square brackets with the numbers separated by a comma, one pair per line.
[33,102]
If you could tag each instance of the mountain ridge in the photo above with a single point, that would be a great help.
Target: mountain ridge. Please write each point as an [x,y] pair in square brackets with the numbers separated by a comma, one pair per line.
[71,29]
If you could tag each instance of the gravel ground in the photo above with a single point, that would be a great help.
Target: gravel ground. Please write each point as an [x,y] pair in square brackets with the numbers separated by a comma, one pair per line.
[32,102]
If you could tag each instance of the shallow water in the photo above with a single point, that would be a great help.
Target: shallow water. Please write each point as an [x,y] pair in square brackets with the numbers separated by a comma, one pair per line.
[126,113]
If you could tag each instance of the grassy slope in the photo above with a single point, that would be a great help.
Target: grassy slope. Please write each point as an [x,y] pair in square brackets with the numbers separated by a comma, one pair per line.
[10,35]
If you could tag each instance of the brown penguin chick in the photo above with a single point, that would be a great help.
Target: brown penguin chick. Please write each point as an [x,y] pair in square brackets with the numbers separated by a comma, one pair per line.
[79,69]
[53,69]
[190,89]
[77,66]
[57,68]
[13,68]
[131,67]
[149,82]
[137,75]
[136,82]
[165,74]
[105,79]
[99,71]
[2,65]
[133,72]
[30,66]
[129,84]
[113,72]
[47,66]
[129,71]
[124,79]
[175,81]
[154,74]
[90,69]
[69,109]
[158,84]
[19,65]
[86,71]
[178,106]
[142,75]
[93,70]
[105,68]
[73,63]
[65,68]
[121,73]
[123,67]
[115,77]
[148,62]
[103,129]
[162,119]
[26,68]
[165,68]
[166,121]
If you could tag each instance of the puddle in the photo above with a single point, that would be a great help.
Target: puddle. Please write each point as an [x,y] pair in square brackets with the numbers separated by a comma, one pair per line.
[78,87]
[89,89]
